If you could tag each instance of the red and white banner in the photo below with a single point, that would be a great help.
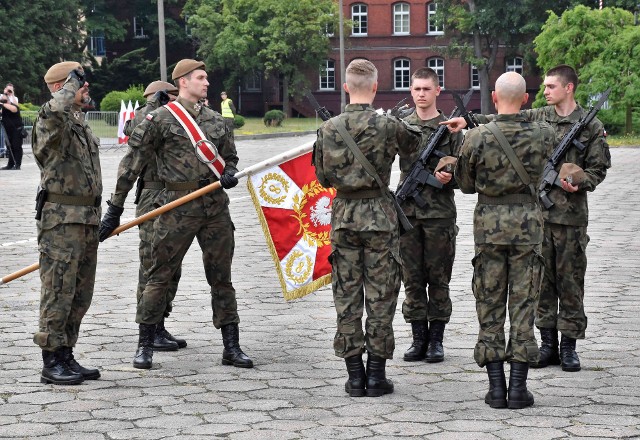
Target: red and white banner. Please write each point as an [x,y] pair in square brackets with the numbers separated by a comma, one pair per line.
[295,213]
[127,113]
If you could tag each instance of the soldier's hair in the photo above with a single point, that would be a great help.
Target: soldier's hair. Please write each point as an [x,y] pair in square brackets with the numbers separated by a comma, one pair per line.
[566,73]
[426,73]
[361,75]
[511,86]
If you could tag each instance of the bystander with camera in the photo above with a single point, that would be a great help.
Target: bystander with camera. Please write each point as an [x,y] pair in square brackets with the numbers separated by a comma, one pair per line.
[12,122]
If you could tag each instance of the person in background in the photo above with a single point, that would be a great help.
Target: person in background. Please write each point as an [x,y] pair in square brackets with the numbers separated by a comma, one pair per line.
[228,110]
[14,127]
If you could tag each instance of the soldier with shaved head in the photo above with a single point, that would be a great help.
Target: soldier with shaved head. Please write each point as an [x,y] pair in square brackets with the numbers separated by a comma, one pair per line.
[502,161]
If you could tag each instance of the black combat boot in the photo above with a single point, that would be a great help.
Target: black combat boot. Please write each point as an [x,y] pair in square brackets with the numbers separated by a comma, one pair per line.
[435,352]
[144,354]
[549,354]
[160,341]
[56,371]
[497,395]
[357,376]
[377,382]
[87,373]
[418,348]
[233,354]
[519,397]
[568,356]
[164,333]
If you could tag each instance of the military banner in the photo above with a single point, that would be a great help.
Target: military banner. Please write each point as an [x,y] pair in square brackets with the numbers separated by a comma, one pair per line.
[295,214]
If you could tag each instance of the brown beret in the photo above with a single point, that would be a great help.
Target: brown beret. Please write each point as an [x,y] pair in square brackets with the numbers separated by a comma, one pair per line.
[160,85]
[60,72]
[572,173]
[446,164]
[186,66]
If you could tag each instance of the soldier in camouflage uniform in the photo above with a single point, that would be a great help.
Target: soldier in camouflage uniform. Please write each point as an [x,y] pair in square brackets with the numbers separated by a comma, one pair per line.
[429,249]
[365,254]
[561,304]
[508,231]
[206,218]
[148,190]
[66,152]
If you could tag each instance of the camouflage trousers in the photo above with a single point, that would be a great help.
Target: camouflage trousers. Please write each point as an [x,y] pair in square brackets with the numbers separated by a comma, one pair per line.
[561,303]
[365,274]
[173,234]
[146,204]
[68,258]
[506,276]
[428,251]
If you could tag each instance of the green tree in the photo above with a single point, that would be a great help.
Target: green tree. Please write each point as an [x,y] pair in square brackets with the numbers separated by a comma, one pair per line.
[281,38]
[608,55]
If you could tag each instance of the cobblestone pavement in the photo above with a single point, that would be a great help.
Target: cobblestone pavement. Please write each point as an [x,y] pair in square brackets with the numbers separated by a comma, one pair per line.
[296,388]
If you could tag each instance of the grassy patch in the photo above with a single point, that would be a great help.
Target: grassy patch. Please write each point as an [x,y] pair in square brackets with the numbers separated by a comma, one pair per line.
[256,126]
[632,140]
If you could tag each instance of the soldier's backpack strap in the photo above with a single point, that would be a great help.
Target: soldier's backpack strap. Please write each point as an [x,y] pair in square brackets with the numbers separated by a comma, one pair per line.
[511,155]
[351,143]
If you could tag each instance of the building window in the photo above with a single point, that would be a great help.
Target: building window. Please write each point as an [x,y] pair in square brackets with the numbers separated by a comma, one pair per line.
[253,82]
[475,77]
[432,26]
[437,64]
[138,29]
[401,19]
[328,75]
[187,28]
[514,65]
[401,74]
[96,44]
[359,18]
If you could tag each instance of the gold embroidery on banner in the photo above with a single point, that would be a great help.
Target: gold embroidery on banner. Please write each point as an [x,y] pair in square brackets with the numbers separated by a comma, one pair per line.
[273,188]
[299,202]
[303,268]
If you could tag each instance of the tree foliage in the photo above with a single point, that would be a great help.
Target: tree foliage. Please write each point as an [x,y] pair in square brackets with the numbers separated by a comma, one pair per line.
[607,55]
[279,38]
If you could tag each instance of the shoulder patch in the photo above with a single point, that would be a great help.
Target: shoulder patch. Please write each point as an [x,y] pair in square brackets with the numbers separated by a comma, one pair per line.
[149,117]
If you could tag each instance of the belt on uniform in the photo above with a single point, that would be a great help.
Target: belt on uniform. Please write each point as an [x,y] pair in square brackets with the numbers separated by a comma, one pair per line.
[74,200]
[185,186]
[361,194]
[509,199]
[149,184]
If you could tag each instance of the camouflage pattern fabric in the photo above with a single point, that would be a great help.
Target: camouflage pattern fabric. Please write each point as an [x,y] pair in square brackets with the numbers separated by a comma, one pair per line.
[508,263]
[364,231]
[205,218]
[428,251]
[66,152]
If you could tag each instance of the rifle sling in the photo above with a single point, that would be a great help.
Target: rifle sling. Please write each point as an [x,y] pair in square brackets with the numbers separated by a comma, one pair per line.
[369,168]
[511,155]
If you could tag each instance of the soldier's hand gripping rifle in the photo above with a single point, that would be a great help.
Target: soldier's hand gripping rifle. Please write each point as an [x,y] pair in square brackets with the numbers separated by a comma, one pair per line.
[550,173]
[419,175]
[322,112]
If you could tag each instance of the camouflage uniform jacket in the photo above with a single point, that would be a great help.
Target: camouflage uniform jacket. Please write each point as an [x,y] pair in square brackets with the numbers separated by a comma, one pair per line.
[440,202]
[483,167]
[161,135]
[67,154]
[572,208]
[379,138]
[126,179]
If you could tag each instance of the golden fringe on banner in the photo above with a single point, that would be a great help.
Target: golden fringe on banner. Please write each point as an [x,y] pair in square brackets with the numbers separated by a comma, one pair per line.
[288,294]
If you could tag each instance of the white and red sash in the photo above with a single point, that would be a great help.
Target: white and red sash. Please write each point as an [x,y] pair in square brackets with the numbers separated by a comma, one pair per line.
[205,149]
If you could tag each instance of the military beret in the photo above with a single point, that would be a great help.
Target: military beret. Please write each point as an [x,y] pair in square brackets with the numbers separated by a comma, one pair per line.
[60,72]
[186,66]
[572,173]
[156,86]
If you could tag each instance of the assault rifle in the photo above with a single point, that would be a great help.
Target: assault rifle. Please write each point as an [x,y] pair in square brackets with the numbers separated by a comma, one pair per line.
[550,174]
[419,175]
[400,110]
[321,111]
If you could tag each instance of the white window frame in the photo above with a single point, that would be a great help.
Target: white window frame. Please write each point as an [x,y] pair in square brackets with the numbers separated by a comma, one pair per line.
[138,30]
[437,64]
[431,14]
[327,77]
[401,19]
[360,16]
[475,83]
[514,64]
[401,74]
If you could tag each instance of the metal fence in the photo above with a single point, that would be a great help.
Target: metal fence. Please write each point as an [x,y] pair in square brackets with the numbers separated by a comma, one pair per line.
[103,124]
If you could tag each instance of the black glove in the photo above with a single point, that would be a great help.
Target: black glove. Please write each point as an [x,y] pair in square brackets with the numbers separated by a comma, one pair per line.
[110,220]
[162,96]
[78,75]
[228,180]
